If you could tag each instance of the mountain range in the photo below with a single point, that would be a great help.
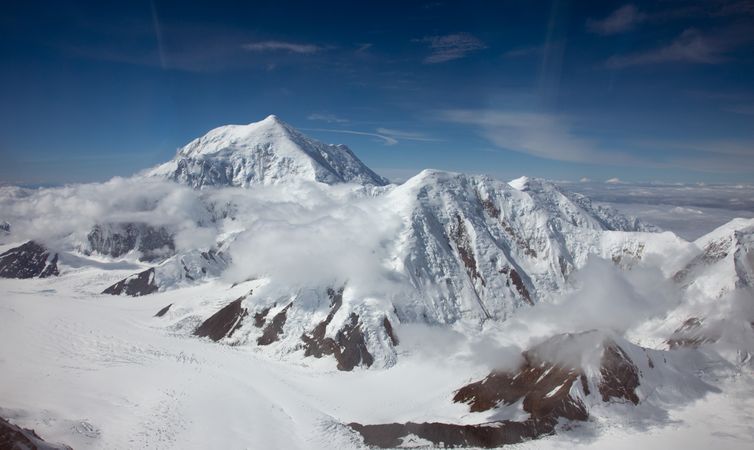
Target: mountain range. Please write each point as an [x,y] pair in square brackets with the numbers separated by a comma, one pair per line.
[303,253]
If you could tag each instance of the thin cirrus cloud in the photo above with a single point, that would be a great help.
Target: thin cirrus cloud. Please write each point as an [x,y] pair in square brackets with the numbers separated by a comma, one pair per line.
[387,140]
[282,46]
[324,117]
[621,20]
[450,47]
[690,47]
[406,135]
[387,135]
[554,137]
[538,134]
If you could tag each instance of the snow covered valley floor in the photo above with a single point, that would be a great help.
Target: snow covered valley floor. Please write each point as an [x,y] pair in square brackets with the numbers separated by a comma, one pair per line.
[97,371]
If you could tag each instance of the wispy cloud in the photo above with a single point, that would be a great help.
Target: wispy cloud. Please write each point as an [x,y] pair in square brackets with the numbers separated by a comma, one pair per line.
[406,135]
[621,20]
[537,134]
[555,137]
[519,52]
[387,140]
[329,118]
[452,46]
[277,46]
[690,47]
[387,135]
[744,109]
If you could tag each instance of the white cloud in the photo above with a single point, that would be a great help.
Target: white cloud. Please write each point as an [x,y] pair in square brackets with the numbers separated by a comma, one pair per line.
[621,20]
[307,235]
[329,118]
[690,47]
[389,136]
[538,134]
[451,46]
[272,46]
[525,51]
[64,216]
[388,140]
[407,135]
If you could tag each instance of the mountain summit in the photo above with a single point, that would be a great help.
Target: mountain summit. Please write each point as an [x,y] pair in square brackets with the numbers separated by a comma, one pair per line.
[265,152]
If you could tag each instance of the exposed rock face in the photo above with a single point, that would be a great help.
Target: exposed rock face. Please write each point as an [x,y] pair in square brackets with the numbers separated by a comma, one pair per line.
[274,329]
[163,311]
[491,435]
[351,348]
[13,437]
[117,239]
[224,322]
[551,383]
[260,317]
[390,333]
[142,283]
[348,346]
[545,379]
[30,260]
[315,342]
[4,227]
[620,377]
[544,387]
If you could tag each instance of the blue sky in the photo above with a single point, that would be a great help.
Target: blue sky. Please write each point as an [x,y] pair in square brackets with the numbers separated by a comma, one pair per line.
[640,91]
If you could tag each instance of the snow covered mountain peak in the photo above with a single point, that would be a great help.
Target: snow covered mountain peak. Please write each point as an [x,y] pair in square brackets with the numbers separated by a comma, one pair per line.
[266,152]
[520,183]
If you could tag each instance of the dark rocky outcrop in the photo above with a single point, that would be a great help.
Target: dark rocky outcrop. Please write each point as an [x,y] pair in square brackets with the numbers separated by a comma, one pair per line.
[389,330]
[142,283]
[620,377]
[13,437]
[518,283]
[224,322]
[163,311]
[536,382]
[30,260]
[4,227]
[348,347]
[489,435]
[274,329]
[352,348]
[117,239]
[260,317]
[460,238]
[315,342]
[544,383]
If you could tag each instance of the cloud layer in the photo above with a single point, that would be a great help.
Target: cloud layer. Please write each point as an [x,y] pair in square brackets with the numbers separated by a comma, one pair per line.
[273,46]
[450,47]
[621,20]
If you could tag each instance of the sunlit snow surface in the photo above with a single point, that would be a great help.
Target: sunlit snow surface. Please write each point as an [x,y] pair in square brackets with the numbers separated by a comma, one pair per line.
[96,371]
